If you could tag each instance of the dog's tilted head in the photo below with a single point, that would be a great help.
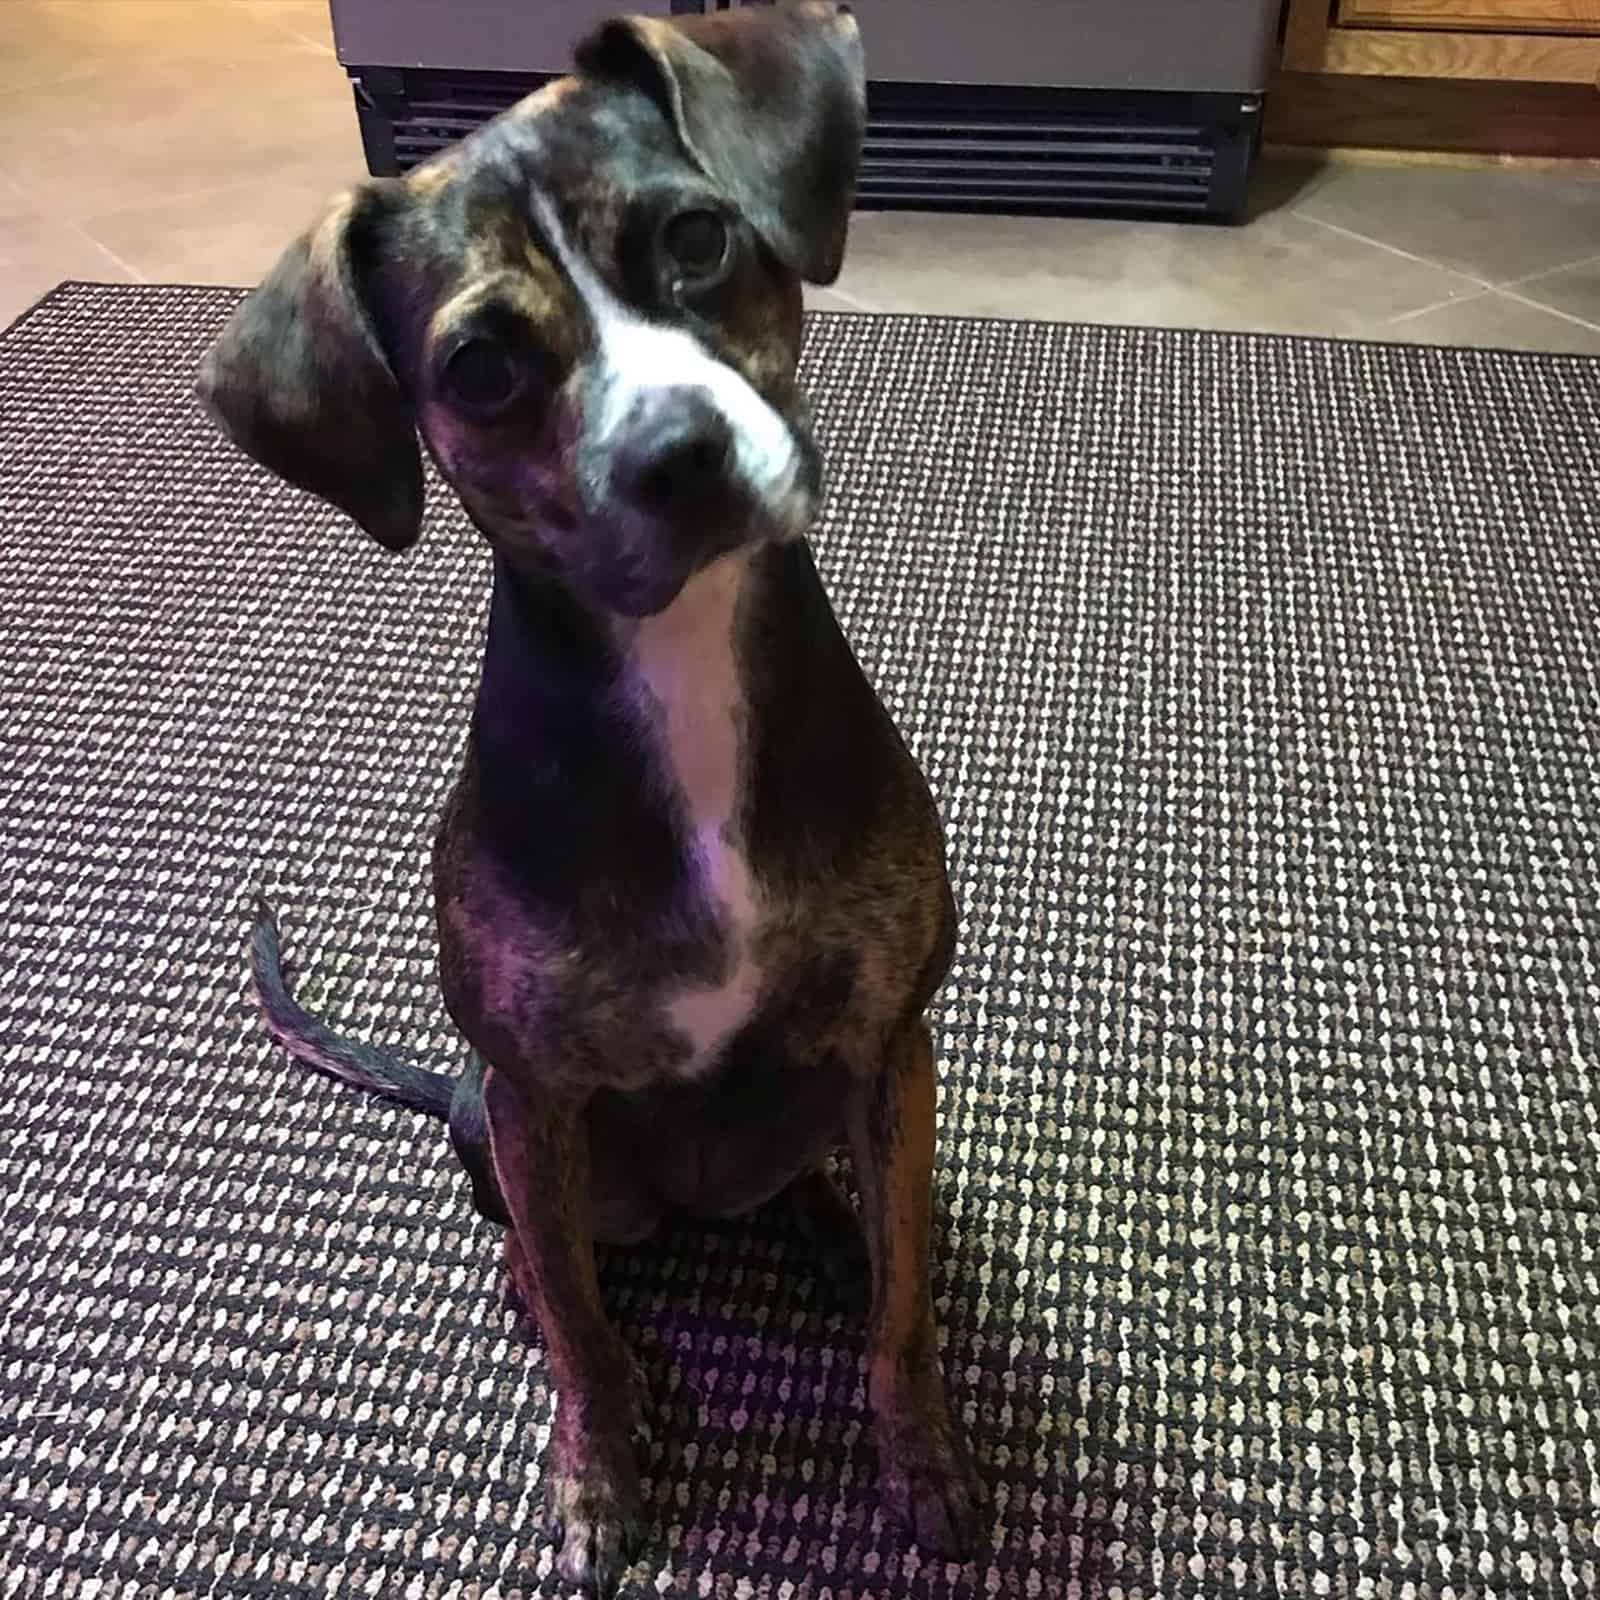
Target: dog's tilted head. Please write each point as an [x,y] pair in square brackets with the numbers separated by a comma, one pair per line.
[590,309]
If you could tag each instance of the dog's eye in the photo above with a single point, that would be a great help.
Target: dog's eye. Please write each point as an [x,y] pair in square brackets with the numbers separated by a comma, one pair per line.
[697,242]
[483,377]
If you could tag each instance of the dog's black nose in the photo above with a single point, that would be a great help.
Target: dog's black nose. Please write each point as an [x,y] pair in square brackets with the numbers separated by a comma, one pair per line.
[674,453]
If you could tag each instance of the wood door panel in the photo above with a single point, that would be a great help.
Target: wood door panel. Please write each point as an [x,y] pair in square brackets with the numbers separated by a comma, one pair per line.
[1418,53]
[1501,119]
[1500,16]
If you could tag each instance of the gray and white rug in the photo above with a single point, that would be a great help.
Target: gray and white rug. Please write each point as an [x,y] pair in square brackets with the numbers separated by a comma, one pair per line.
[1259,680]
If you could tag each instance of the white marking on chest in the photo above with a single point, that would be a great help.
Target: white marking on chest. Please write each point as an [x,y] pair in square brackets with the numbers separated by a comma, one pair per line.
[684,668]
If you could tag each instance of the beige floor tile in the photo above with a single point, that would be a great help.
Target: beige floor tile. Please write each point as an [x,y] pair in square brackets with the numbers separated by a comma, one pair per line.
[1280,273]
[1575,290]
[228,235]
[37,253]
[308,22]
[14,202]
[1494,223]
[50,42]
[1495,321]
[829,300]
[281,112]
[1278,181]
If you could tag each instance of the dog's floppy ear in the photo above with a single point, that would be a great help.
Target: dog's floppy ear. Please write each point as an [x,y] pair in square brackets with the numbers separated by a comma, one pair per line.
[299,380]
[769,102]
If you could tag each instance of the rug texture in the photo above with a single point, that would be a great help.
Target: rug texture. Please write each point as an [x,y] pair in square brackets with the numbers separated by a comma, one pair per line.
[1259,681]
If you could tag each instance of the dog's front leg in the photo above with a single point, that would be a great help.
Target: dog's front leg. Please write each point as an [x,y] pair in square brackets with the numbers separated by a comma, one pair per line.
[541,1161]
[926,1472]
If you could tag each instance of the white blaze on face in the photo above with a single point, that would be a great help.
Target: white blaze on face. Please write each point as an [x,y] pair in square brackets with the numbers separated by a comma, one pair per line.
[684,668]
[682,662]
[637,357]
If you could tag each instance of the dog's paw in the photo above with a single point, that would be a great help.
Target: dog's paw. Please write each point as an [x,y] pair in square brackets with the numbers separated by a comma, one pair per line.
[597,1524]
[596,1552]
[930,1488]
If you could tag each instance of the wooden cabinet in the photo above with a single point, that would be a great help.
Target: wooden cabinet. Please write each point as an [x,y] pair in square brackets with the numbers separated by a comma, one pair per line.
[1509,41]
[1491,16]
[1510,77]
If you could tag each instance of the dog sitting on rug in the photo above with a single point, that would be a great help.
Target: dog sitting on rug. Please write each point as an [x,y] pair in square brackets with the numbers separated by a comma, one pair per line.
[691,889]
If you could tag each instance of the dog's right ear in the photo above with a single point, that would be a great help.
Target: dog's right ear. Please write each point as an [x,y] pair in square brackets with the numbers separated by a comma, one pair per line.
[769,101]
[298,378]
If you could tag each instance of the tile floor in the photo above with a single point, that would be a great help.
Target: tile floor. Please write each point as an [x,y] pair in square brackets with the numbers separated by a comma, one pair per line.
[187,140]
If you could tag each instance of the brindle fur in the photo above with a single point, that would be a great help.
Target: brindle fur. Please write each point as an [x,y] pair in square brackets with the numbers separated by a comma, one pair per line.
[568,907]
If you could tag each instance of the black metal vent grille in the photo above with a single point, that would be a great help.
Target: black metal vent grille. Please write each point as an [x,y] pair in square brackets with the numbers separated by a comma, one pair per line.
[436,108]
[929,146]
[942,147]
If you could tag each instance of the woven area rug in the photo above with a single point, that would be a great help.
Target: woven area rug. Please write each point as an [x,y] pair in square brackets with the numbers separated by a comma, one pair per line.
[1259,680]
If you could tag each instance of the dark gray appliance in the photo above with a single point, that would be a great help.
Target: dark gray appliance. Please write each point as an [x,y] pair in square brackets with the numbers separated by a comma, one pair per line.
[1148,106]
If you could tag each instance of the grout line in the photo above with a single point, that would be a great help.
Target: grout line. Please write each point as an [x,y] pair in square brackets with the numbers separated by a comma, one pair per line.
[852,300]
[314,44]
[1550,272]
[27,192]
[1395,250]
[37,213]
[110,254]
[203,191]
[267,14]
[1539,305]
[305,39]
[1486,294]
[1439,305]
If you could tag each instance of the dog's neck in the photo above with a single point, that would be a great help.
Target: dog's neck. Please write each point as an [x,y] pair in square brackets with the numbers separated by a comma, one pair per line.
[682,670]
[550,657]
[547,658]
[558,676]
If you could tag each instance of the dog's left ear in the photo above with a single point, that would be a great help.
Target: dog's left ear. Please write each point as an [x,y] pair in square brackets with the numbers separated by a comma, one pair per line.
[769,102]
[299,379]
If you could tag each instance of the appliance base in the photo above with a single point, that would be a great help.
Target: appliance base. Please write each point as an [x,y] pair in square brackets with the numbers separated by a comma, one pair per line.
[929,147]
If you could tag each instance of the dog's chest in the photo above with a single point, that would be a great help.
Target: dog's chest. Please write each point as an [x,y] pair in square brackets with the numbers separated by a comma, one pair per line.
[684,670]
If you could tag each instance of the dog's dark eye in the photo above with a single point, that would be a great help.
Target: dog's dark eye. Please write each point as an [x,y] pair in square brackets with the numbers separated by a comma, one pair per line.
[483,377]
[697,243]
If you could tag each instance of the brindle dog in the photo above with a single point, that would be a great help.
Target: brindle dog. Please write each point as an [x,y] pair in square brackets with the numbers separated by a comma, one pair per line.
[691,889]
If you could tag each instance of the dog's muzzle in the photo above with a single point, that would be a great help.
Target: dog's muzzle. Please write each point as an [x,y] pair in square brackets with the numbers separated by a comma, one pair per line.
[676,460]
[679,478]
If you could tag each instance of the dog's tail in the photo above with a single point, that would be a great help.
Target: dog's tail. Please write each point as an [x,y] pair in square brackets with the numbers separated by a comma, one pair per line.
[309,1040]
